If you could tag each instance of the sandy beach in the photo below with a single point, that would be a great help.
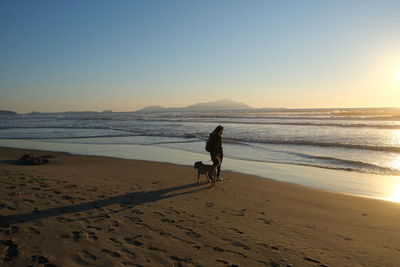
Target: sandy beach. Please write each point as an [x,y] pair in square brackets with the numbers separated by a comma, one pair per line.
[101,211]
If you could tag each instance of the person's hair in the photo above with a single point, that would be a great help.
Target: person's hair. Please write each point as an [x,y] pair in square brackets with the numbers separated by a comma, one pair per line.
[218,130]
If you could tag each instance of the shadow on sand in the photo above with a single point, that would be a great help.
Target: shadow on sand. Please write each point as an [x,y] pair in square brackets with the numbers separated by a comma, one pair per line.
[126,201]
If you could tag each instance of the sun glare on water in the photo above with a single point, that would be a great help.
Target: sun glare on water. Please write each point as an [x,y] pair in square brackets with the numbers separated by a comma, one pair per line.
[395,188]
[394,191]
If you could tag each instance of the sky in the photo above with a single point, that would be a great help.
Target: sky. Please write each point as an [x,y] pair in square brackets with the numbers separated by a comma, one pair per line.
[124,55]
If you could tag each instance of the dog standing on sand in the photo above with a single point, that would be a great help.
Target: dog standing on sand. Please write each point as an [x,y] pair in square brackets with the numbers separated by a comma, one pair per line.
[209,170]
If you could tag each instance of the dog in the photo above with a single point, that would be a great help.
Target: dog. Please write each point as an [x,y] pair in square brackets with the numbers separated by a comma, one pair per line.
[209,170]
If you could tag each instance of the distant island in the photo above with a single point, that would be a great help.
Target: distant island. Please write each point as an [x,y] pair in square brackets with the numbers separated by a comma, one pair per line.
[66,112]
[224,104]
[7,113]
[219,105]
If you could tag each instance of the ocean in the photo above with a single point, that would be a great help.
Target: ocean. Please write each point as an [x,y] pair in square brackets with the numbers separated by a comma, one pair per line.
[356,140]
[353,151]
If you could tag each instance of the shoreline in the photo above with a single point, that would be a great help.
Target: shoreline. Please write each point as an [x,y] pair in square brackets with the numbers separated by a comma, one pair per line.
[96,210]
[383,187]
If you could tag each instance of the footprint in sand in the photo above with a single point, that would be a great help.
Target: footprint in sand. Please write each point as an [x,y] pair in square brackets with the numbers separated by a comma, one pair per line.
[158,213]
[127,263]
[65,236]
[68,198]
[157,249]
[271,263]
[44,185]
[38,223]
[76,235]
[172,210]
[126,204]
[136,211]
[236,244]
[165,233]
[227,263]
[192,233]
[63,219]
[183,240]
[92,235]
[241,212]
[11,250]
[94,227]
[14,229]
[184,260]
[92,189]
[134,219]
[236,230]
[88,255]
[34,231]
[133,241]
[218,249]
[314,261]
[129,253]
[269,246]
[115,241]
[40,259]
[166,220]
[265,221]
[110,253]
[237,253]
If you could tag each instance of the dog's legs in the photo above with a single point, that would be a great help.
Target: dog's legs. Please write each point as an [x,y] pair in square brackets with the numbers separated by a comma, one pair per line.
[208,177]
[198,176]
[214,178]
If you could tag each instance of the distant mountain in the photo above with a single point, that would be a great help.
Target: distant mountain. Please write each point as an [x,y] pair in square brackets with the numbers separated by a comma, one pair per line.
[224,104]
[151,109]
[7,112]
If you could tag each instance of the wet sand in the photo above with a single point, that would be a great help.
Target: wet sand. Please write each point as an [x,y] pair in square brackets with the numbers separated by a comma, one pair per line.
[101,211]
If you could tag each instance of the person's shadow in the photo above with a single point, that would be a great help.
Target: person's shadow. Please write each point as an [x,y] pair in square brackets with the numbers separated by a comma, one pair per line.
[126,201]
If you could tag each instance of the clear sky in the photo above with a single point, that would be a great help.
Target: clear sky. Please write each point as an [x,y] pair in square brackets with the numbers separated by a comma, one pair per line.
[124,55]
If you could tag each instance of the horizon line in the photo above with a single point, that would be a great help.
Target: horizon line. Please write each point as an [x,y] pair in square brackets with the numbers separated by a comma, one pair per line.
[187,109]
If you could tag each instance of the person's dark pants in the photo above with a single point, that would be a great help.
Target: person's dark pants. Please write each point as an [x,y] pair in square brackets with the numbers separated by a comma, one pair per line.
[217,161]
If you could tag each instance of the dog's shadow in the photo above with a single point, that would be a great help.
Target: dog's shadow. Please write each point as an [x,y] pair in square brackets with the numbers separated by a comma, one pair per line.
[126,201]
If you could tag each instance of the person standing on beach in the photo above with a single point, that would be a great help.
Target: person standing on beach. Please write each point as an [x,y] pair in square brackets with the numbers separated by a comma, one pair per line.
[214,146]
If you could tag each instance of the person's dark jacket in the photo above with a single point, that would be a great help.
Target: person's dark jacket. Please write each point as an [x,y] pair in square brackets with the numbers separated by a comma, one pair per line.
[216,147]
